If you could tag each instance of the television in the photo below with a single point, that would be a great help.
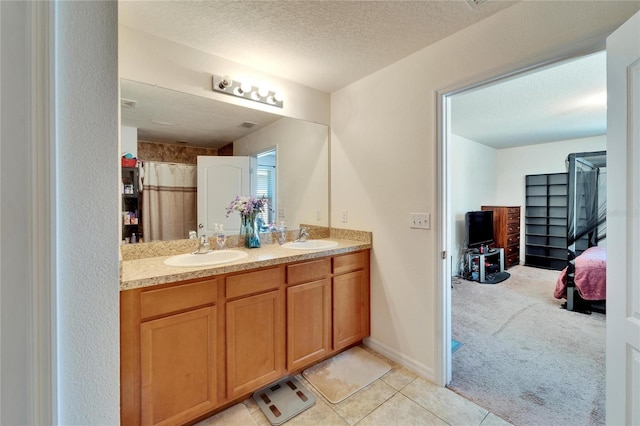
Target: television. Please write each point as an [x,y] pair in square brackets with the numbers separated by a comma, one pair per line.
[479,228]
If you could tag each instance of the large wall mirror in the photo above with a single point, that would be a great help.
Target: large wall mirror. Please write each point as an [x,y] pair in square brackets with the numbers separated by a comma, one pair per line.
[176,122]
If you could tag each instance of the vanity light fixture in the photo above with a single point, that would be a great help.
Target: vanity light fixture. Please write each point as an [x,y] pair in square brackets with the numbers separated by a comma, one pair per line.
[225,84]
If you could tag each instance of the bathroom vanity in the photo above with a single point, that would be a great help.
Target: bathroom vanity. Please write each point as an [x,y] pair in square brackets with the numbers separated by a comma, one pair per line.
[197,340]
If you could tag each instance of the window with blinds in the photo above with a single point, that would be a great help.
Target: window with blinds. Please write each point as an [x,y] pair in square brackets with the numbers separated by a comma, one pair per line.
[266,188]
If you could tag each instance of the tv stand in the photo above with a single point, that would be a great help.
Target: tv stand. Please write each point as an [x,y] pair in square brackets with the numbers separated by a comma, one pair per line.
[482,259]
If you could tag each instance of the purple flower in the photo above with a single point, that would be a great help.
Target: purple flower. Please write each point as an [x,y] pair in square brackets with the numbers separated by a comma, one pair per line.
[247,205]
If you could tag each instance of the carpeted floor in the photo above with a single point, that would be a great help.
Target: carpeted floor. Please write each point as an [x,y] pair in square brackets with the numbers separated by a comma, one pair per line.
[524,358]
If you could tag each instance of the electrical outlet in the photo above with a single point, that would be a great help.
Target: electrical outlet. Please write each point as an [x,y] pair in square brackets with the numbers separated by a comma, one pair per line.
[420,220]
[280,213]
[344,216]
[318,217]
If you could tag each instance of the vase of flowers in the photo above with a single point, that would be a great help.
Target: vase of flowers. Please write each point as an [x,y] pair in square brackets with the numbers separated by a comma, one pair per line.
[249,209]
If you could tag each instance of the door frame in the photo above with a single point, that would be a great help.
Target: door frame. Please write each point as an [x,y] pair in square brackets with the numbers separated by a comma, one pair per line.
[594,44]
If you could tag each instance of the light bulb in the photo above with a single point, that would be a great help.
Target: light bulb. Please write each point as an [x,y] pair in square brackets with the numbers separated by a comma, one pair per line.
[225,82]
[278,96]
[246,87]
[263,91]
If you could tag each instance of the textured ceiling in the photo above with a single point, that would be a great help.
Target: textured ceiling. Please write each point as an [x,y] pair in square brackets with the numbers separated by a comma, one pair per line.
[566,101]
[325,45]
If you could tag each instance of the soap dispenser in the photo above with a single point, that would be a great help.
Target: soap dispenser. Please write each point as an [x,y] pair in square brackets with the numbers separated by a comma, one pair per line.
[283,233]
[221,238]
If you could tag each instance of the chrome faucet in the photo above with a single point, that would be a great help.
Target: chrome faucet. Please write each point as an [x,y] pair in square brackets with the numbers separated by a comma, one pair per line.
[302,235]
[203,247]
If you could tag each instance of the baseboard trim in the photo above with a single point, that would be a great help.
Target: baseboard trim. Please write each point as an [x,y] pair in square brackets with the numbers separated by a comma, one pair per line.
[398,357]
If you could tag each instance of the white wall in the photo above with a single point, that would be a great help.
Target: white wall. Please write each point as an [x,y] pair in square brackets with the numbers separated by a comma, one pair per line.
[81,283]
[302,168]
[87,222]
[516,163]
[129,140]
[473,175]
[383,156]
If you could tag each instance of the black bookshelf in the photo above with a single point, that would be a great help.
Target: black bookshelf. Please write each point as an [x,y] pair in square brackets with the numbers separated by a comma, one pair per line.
[546,221]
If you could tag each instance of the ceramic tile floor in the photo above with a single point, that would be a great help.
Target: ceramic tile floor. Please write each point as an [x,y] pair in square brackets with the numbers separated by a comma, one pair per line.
[400,397]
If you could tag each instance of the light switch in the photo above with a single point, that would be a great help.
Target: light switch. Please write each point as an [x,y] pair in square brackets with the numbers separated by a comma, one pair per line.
[420,220]
[344,216]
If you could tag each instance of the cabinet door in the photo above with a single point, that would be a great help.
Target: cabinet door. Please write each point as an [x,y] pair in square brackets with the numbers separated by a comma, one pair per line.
[178,367]
[308,323]
[255,342]
[350,312]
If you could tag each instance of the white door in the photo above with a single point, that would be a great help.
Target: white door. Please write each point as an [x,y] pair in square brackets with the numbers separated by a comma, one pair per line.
[623,224]
[220,180]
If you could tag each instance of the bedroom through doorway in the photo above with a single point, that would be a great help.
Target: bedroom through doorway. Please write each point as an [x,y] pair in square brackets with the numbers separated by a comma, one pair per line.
[510,340]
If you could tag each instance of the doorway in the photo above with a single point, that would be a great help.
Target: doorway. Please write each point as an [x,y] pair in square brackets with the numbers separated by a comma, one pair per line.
[451,226]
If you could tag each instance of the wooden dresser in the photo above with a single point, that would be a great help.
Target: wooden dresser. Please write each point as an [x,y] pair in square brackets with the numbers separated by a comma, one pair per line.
[506,232]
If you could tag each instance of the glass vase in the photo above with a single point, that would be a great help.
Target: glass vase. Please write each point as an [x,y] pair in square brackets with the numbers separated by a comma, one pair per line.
[249,231]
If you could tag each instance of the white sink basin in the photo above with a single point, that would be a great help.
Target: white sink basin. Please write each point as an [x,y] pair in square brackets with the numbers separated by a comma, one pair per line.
[310,244]
[214,257]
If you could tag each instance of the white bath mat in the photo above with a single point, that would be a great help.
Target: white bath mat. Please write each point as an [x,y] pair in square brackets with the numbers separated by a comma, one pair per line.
[346,373]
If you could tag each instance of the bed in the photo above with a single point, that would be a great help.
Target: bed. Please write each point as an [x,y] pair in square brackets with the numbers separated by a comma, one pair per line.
[590,276]
[583,281]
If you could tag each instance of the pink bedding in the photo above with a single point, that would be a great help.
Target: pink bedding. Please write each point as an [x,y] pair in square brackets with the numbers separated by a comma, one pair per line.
[590,277]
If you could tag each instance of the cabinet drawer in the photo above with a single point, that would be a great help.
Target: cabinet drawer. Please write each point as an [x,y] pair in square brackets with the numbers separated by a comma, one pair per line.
[349,262]
[172,299]
[252,282]
[511,250]
[513,239]
[511,260]
[308,271]
[513,218]
[512,210]
[513,228]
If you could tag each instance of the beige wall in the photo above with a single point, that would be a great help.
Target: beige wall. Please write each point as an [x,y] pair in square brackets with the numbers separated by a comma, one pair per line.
[379,186]
[473,184]
[302,168]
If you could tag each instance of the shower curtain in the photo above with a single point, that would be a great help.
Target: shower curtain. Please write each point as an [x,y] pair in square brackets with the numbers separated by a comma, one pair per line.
[169,197]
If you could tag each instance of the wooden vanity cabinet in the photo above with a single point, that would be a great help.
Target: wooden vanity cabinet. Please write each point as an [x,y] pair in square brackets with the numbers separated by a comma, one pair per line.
[168,353]
[178,375]
[255,324]
[195,346]
[350,289]
[308,312]
[327,307]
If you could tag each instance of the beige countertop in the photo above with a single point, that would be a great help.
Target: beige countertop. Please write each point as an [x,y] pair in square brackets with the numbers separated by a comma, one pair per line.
[151,271]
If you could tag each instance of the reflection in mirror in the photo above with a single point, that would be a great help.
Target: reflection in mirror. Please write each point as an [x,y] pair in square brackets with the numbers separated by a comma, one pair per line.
[266,188]
[174,128]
